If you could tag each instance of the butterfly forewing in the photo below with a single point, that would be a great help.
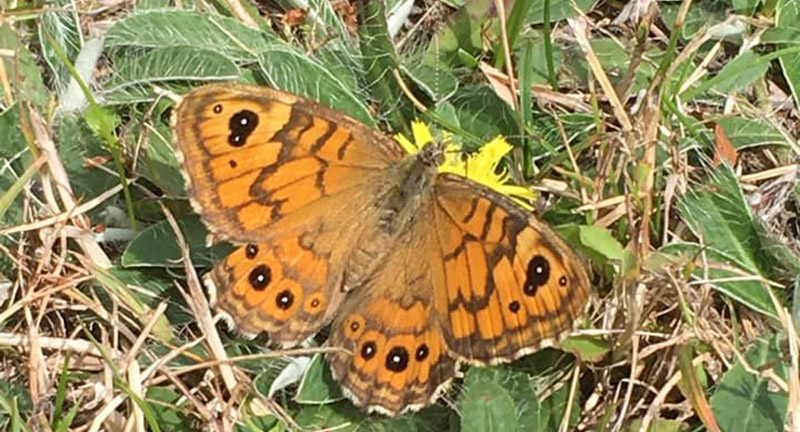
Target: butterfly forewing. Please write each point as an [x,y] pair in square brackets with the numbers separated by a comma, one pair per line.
[505,284]
[255,158]
[285,177]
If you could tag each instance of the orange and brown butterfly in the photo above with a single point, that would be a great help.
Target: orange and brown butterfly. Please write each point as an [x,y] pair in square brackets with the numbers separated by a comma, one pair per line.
[414,267]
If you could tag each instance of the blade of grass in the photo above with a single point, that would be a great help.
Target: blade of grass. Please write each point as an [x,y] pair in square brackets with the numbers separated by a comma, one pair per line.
[61,390]
[11,194]
[525,71]
[548,46]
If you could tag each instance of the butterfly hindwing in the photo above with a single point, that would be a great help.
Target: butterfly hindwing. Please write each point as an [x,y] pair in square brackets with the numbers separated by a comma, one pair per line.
[394,356]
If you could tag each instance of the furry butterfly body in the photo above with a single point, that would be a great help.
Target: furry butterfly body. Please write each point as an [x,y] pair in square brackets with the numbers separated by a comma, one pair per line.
[414,269]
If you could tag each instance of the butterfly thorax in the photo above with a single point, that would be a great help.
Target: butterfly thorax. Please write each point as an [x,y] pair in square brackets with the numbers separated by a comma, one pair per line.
[405,192]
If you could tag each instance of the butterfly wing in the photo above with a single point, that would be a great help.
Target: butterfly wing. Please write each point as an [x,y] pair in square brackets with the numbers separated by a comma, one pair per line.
[504,283]
[475,277]
[258,160]
[394,357]
[288,177]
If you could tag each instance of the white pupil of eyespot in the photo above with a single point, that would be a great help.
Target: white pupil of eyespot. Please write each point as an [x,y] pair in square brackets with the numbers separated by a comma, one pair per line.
[538,269]
[244,121]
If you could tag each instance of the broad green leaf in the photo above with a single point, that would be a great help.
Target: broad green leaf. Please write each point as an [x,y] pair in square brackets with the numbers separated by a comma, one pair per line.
[782,35]
[746,133]
[745,6]
[601,241]
[121,289]
[179,28]
[14,391]
[746,402]
[703,12]
[78,143]
[10,195]
[60,24]
[494,392]
[437,82]
[169,409]
[23,74]
[788,20]
[718,213]
[554,408]
[153,286]
[462,32]
[156,246]
[481,112]
[741,72]
[750,293]
[160,66]
[486,405]
[291,71]
[588,348]
[160,164]
[318,386]
[343,416]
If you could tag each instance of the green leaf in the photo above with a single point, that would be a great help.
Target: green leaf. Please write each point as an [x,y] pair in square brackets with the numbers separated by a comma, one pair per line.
[15,393]
[101,121]
[160,164]
[486,405]
[718,213]
[741,72]
[166,409]
[291,71]
[60,21]
[159,66]
[23,74]
[156,246]
[559,10]
[318,386]
[703,12]
[462,33]
[11,195]
[746,402]
[437,82]
[589,348]
[554,408]
[78,143]
[787,19]
[180,28]
[746,133]
[481,112]
[724,280]
[601,241]
[657,425]
[745,6]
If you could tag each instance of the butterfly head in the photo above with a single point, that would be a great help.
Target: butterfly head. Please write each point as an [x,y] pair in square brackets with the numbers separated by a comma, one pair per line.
[433,154]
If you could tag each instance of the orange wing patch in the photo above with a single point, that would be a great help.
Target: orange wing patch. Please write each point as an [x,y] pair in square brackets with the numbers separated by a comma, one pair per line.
[281,288]
[396,360]
[253,156]
[512,285]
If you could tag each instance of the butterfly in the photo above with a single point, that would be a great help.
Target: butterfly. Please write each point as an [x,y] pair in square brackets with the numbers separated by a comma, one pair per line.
[415,270]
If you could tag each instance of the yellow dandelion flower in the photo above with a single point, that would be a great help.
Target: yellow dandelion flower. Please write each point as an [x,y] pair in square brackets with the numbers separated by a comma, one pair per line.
[480,167]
